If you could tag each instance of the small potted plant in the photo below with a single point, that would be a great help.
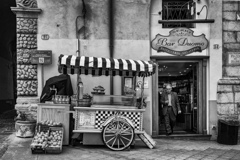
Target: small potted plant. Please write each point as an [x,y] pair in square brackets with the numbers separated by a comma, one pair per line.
[24,126]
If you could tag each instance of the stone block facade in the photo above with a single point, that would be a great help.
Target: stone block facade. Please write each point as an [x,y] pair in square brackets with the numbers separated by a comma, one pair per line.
[27,80]
[228,93]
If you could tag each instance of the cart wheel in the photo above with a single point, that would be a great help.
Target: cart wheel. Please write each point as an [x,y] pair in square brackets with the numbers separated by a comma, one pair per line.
[118,135]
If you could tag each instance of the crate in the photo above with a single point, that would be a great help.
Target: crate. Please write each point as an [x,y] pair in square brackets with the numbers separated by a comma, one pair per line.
[37,148]
[55,149]
[57,113]
[43,127]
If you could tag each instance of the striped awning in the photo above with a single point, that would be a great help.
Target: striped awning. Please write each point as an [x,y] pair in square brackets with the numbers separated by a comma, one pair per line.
[70,64]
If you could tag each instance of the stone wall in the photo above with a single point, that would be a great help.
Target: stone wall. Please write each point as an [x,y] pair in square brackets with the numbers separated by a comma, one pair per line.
[228,93]
[27,80]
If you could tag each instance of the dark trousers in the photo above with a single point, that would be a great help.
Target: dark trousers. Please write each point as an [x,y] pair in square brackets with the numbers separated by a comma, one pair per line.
[169,120]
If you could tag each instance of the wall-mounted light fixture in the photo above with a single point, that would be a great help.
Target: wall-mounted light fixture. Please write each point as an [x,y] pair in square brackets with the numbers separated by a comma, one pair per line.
[198,13]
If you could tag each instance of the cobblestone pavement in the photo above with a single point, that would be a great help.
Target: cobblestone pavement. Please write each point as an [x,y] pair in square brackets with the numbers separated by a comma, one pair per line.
[166,149]
[6,129]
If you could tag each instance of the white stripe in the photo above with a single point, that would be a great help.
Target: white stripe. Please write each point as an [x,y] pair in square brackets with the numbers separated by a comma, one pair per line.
[125,64]
[64,60]
[108,65]
[99,63]
[134,66]
[150,66]
[82,60]
[90,61]
[73,60]
[142,68]
[116,66]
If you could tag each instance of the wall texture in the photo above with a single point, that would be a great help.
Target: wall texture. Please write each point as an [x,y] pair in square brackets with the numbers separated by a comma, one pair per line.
[228,93]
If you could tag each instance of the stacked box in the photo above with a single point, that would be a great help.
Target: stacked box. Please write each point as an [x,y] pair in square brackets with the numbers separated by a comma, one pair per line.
[48,141]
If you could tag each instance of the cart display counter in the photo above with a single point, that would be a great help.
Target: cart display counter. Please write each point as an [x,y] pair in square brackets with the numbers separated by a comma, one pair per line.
[91,119]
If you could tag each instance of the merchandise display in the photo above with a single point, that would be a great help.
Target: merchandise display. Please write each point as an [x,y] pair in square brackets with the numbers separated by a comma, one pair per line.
[48,141]
[98,90]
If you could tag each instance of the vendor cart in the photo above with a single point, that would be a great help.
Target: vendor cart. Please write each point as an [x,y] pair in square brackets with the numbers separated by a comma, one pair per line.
[118,118]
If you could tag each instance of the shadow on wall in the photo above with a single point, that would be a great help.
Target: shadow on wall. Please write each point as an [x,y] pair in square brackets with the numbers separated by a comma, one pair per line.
[7,55]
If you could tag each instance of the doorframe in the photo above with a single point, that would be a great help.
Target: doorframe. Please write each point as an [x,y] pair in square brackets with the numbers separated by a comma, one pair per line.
[202,100]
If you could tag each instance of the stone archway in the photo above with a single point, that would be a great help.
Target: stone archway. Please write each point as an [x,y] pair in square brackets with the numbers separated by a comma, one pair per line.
[27,81]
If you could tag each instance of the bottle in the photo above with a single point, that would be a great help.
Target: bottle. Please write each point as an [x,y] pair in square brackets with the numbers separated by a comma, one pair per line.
[80,88]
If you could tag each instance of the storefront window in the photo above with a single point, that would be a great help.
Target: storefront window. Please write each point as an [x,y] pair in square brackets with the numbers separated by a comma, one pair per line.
[178,10]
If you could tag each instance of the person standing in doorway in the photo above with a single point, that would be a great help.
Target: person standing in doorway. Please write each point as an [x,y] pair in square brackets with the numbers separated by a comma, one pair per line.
[170,109]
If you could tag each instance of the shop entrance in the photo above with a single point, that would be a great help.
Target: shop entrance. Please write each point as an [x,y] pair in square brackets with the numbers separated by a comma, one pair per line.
[188,79]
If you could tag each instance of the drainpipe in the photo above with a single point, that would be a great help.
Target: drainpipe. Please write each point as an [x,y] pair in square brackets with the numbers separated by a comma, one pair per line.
[111,37]
[84,11]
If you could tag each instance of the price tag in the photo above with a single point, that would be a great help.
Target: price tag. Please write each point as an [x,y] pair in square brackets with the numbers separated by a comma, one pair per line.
[41,60]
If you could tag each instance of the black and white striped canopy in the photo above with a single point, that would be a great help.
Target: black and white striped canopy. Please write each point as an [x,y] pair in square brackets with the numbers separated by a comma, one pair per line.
[70,64]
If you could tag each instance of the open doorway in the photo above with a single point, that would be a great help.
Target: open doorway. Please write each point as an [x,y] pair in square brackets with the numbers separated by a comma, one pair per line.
[183,76]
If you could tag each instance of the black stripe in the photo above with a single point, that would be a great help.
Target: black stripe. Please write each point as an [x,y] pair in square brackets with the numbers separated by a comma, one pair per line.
[120,64]
[95,62]
[146,69]
[60,58]
[77,62]
[86,62]
[112,63]
[68,60]
[137,66]
[129,64]
[104,63]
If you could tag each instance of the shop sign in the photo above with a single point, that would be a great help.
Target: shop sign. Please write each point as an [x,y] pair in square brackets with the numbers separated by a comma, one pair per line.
[41,57]
[180,42]
[234,58]
[86,119]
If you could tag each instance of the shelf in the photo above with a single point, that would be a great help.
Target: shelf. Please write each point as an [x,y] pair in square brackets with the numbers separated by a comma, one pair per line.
[187,21]
[90,130]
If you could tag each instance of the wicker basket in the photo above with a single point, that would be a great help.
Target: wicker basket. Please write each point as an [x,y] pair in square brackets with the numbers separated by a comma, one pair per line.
[81,103]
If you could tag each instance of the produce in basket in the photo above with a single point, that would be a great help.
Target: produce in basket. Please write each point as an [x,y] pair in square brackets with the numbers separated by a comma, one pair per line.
[50,123]
[55,138]
[40,140]
[86,96]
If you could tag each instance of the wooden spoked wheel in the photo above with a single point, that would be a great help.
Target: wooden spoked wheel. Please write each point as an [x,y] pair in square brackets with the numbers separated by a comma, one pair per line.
[118,135]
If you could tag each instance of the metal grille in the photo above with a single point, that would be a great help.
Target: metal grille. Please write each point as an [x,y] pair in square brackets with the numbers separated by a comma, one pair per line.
[178,10]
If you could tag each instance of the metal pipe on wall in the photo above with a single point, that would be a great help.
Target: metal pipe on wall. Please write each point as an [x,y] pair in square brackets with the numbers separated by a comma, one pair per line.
[111,37]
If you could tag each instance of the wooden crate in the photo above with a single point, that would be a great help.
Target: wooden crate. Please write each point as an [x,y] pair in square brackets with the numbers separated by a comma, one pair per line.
[37,148]
[53,149]
[56,113]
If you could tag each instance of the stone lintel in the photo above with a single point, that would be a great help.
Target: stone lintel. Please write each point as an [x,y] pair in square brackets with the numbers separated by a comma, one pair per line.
[26,12]
[229,81]
[26,100]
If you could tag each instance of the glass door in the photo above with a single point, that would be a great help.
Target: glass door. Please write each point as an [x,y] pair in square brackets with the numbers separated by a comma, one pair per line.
[194,94]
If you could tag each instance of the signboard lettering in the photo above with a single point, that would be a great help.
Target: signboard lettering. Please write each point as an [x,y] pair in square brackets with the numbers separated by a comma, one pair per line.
[41,57]
[180,42]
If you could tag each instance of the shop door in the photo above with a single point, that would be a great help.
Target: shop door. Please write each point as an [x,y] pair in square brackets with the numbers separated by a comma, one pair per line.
[188,81]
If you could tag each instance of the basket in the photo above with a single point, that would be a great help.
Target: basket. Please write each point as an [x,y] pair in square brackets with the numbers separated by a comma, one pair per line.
[55,149]
[44,127]
[84,102]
